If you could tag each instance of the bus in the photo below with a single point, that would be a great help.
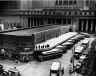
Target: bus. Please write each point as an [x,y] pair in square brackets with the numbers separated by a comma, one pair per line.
[50,54]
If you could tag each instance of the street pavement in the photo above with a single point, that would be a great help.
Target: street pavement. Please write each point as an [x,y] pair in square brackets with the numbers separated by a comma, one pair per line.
[35,68]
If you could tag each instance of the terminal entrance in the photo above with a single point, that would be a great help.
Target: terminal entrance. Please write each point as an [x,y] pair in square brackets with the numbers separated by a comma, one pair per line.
[87,25]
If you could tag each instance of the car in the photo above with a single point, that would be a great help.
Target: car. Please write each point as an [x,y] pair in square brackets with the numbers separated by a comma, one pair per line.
[85,35]
[1,69]
[64,48]
[79,37]
[68,45]
[78,67]
[83,71]
[82,59]
[78,51]
[73,41]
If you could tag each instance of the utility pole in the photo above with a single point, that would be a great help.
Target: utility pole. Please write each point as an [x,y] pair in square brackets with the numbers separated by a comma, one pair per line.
[73,57]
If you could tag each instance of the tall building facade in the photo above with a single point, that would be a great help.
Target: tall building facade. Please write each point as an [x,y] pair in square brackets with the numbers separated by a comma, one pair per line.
[39,4]
[33,13]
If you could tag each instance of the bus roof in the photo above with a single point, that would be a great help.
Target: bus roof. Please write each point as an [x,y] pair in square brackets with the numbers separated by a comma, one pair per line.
[55,66]
[85,41]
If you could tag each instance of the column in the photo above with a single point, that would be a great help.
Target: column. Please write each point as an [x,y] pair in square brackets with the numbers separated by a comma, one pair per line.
[30,22]
[51,20]
[33,22]
[55,21]
[66,21]
[62,21]
[82,26]
[71,22]
[39,21]
[86,25]
[95,27]
[62,2]
[36,22]
[58,2]
[68,2]
[92,25]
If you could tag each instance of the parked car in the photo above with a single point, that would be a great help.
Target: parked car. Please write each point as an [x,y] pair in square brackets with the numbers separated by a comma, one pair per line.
[64,48]
[1,69]
[75,39]
[85,35]
[68,44]
[72,40]
[78,67]
[12,72]
[78,52]
[82,59]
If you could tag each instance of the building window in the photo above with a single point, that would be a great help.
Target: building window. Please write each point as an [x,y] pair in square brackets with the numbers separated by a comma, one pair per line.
[92,13]
[29,44]
[24,44]
[1,42]
[7,43]
[78,13]
[74,1]
[75,13]
[87,13]
[70,2]
[67,13]
[83,13]
[39,13]
[14,24]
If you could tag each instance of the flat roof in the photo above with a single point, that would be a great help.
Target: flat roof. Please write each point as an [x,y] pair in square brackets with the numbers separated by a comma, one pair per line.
[29,32]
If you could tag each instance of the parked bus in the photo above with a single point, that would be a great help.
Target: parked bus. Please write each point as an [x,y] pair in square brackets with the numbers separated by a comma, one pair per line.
[54,53]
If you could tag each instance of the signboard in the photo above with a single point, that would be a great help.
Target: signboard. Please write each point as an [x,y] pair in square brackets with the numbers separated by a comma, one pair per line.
[26,53]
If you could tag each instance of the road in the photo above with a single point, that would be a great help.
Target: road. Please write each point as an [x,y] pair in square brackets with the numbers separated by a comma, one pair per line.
[35,68]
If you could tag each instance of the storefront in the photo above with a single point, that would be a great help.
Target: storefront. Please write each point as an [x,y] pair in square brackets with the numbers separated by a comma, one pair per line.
[26,56]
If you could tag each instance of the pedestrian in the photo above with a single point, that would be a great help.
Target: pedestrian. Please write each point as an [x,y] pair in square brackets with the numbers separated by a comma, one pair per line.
[14,67]
[43,46]
[62,70]
[16,62]
[47,45]
[39,46]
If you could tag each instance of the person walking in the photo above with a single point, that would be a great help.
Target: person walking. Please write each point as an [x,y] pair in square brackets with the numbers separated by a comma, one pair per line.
[62,70]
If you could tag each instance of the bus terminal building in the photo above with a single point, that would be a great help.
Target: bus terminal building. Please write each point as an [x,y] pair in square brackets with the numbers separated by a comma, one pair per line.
[20,44]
